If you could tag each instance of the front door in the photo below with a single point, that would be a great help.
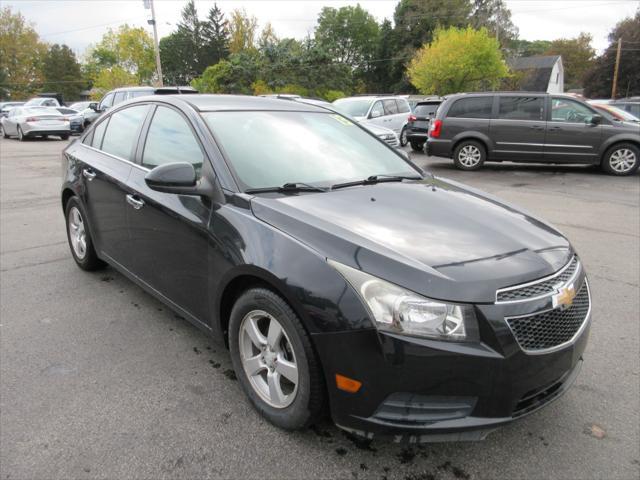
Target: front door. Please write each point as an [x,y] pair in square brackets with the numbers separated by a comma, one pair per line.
[105,170]
[571,137]
[169,232]
[518,129]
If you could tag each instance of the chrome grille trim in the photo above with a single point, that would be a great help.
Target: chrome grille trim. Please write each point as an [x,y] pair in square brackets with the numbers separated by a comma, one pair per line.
[573,264]
[583,325]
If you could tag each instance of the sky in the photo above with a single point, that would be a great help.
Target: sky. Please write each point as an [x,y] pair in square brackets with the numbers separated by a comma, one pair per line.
[80,23]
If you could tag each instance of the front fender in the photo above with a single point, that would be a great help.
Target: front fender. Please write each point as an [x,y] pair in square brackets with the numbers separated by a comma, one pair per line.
[621,137]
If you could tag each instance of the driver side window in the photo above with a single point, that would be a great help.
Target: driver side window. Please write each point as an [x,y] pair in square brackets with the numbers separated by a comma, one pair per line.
[106,102]
[569,111]
[377,110]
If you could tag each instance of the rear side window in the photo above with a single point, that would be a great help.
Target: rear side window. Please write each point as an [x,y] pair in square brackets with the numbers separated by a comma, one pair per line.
[119,97]
[521,108]
[98,133]
[122,131]
[472,107]
[403,106]
[390,107]
[170,139]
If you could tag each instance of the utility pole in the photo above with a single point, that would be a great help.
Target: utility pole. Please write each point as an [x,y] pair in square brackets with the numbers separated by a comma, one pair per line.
[149,4]
[614,87]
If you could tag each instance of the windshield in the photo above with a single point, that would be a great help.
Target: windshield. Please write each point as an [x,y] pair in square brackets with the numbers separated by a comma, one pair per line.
[33,101]
[354,107]
[269,149]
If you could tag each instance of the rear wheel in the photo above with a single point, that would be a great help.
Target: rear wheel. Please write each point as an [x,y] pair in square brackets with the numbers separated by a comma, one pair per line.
[469,155]
[417,146]
[273,358]
[21,136]
[64,137]
[79,237]
[4,133]
[621,159]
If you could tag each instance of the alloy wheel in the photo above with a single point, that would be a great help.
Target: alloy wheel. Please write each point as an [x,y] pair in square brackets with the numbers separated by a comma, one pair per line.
[403,137]
[20,134]
[77,233]
[268,359]
[622,160]
[469,156]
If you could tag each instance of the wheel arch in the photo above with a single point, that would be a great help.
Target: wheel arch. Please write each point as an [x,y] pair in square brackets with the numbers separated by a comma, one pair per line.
[484,141]
[617,141]
[67,193]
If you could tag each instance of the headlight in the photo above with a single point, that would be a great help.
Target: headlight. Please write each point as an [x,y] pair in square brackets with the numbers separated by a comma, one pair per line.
[398,310]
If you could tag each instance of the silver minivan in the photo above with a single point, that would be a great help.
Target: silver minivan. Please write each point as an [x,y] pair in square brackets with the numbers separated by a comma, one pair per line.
[389,112]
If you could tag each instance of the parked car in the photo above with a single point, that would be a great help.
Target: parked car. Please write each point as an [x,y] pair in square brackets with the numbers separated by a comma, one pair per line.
[29,122]
[417,129]
[43,102]
[5,107]
[119,95]
[531,127]
[385,134]
[631,105]
[388,112]
[76,120]
[612,112]
[314,259]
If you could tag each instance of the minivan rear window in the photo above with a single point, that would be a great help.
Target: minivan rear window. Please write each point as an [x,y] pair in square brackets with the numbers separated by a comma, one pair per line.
[426,109]
[471,107]
[521,108]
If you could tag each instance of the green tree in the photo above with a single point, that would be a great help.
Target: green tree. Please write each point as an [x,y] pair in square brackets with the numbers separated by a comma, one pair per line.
[110,78]
[526,48]
[458,60]
[177,61]
[128,48]
[242,31]
[383,77]
[577,57]
[349,34]
[599,80]
[216,37]
[21,56]
[62,73]
[495,16]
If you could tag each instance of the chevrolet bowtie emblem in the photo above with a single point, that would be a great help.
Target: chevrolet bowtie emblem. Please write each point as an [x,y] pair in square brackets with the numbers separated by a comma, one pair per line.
[564,297]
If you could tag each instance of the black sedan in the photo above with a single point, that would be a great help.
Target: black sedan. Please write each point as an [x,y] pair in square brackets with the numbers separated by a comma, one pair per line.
[336,271]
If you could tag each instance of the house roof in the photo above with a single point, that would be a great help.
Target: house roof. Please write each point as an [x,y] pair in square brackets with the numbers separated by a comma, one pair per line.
[536,71]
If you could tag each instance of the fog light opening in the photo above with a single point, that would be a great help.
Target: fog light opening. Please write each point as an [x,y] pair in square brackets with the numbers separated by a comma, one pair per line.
[347,384]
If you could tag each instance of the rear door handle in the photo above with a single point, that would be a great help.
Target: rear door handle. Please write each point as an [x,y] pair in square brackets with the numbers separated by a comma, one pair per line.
[554,128]
[88,174]
[537,127]
[136,203]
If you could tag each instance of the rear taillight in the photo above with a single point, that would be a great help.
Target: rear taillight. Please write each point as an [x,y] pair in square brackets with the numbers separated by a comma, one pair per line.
[412,118]
[435,129]
[32,119]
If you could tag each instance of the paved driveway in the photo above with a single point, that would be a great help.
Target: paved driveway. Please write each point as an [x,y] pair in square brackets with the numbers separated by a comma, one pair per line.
[99,380]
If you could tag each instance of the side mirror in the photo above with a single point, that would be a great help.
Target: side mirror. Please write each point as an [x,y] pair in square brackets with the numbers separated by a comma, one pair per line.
[596,119]
[94,106]
[179,177]
[374,114]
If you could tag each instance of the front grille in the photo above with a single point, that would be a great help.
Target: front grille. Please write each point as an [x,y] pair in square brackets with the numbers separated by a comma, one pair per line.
[545,330]
[545,286]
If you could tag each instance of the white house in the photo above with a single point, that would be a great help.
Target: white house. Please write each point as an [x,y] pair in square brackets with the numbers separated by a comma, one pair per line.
[540,73]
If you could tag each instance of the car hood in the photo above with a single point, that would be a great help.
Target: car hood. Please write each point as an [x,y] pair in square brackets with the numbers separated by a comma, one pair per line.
[438,238]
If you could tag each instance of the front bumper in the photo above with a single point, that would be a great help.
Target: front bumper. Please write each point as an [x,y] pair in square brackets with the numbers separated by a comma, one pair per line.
[421,390]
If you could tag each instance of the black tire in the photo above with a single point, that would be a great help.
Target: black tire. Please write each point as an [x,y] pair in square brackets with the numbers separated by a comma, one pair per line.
[609,165]
[21,136]
[4,134]
[90,261]
[64,137]
[308,402]
[403,137]
[417,146]
[469,155]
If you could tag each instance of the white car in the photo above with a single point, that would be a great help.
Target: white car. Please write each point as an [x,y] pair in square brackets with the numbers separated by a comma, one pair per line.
[29,122]
[42,102]
[388,112]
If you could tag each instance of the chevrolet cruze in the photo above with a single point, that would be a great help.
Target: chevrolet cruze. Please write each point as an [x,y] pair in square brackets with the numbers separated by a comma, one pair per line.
[341,277]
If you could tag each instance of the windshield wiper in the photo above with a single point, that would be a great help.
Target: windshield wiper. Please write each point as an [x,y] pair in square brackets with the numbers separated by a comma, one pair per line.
[288,188]
[373,179]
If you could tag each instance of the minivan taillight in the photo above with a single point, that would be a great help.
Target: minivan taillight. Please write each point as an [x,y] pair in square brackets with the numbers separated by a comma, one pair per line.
[412,118]
[436,129]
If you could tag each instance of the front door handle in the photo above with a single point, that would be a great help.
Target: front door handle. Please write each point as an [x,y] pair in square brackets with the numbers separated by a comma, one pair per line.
[136,203]
[537,127]
[88,174]
[553,129]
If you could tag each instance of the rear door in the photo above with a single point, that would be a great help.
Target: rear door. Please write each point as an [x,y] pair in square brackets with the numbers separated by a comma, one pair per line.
[169,232]
[518,128]
[105,165]
[571,137]
[392,115]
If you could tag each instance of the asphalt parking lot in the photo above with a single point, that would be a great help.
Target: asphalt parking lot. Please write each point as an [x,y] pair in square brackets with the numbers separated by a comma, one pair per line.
[99,380]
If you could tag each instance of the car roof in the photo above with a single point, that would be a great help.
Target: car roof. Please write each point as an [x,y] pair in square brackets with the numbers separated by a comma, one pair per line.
[212,103]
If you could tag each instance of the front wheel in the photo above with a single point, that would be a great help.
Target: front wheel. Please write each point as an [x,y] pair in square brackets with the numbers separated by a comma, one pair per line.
[273,358]
[79,237]
[3,131]
[21,135]
[64,137]
[621,159]
[469,155]
[403,137]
